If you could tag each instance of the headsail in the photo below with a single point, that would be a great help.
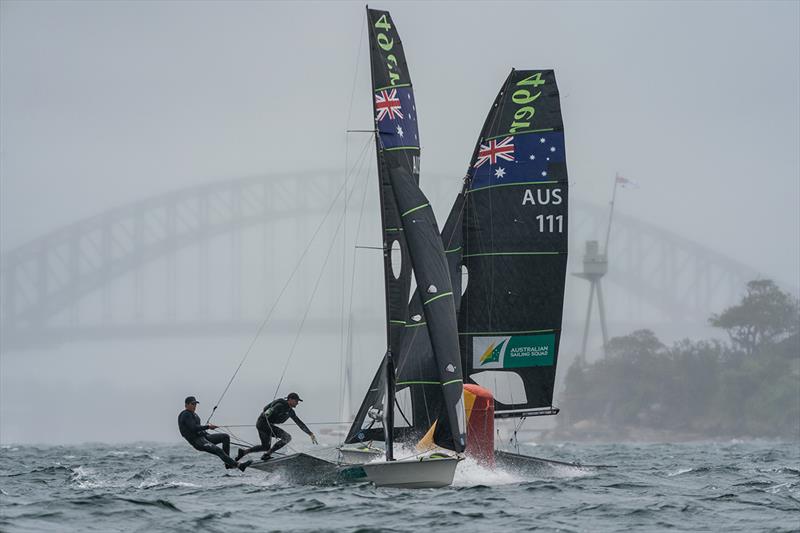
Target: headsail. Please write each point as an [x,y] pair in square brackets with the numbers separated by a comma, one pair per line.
[515,246]
[421,333]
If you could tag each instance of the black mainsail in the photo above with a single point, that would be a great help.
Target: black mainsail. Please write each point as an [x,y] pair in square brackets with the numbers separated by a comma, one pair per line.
[514,247]
[422,333]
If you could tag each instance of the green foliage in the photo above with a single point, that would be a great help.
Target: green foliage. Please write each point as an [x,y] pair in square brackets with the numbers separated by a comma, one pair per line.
[765,315]
[641,343]
[701,388]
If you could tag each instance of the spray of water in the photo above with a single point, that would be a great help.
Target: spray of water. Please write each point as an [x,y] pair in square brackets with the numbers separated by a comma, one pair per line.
[471,473]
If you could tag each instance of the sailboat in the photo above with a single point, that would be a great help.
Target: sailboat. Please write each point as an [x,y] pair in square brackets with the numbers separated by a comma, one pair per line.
[506,244]
[422,359]
[490,288]
[512,249]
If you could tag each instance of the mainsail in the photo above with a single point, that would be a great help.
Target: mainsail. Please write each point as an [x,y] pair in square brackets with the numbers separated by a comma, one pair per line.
[514,247]
[422,347]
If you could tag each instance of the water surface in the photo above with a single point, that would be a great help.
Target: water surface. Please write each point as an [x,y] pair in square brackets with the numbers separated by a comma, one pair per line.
[738,486]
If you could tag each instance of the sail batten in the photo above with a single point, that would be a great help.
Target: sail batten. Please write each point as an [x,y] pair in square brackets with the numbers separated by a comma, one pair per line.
[518,184]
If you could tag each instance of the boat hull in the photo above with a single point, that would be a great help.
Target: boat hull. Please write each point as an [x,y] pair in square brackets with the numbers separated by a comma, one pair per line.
[357,456]
[427,472]
[300,468]
[516,461]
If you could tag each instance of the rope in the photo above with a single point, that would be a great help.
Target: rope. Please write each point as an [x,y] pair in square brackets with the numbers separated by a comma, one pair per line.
[278,299]
[240,442]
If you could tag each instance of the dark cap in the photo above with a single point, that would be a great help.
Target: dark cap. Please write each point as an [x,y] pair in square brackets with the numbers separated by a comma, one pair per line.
[190,399]
[294,396]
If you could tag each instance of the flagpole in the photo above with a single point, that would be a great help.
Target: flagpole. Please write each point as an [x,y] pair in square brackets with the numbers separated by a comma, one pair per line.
[611,213]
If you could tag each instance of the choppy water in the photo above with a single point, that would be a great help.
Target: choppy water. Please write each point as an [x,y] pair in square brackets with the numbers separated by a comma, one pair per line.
[685,487]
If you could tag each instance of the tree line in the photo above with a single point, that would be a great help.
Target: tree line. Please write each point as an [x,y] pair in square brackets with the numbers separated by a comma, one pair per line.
[746,387]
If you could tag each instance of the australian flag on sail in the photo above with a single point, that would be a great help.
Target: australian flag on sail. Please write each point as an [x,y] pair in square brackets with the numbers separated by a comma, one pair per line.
[520,158]
[396,117]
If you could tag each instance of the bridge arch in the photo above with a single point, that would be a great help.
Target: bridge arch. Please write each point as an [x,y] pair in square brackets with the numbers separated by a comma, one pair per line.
[48,275]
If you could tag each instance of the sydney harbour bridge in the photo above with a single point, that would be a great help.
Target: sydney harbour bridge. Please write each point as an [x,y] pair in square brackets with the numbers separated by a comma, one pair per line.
[212,259]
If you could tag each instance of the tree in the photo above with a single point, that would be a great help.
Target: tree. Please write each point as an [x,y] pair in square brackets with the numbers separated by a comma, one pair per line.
[642,343]
[765,315]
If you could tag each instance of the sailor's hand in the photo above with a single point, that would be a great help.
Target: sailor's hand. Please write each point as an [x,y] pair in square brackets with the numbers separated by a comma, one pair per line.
[314,439]
[212,426]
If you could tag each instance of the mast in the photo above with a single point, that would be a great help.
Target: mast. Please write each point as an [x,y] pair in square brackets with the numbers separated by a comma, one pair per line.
[390,83]
[387,260]
[611,214]
[388,410]
[422,352]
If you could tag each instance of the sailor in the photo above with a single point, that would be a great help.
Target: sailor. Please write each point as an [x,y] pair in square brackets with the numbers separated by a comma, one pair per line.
[276,412]
[197,436]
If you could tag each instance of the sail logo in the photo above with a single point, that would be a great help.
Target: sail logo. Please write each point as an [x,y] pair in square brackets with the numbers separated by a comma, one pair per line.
[492,354]
[515,351]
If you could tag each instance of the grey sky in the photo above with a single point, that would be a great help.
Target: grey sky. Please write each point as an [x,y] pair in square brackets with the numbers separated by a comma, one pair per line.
[104,103]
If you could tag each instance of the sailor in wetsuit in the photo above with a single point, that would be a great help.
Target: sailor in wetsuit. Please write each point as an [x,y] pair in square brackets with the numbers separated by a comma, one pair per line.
[195,434]
[277,412]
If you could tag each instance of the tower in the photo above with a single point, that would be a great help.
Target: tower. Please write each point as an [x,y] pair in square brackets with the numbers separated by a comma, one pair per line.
[595,266]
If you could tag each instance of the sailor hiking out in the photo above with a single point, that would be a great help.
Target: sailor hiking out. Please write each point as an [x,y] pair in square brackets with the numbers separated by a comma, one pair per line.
[276,412]
[197,435]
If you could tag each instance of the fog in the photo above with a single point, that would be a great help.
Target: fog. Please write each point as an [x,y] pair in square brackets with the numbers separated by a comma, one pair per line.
[105,104]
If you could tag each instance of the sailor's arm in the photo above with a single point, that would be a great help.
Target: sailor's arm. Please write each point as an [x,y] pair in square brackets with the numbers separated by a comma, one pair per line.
[303,427]
[190,422]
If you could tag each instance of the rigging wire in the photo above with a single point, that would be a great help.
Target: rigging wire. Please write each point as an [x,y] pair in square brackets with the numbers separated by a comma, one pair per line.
[314,292]
[278,299]
[306,423]
[353,273]
[240,442]
[342,343]
[517,427]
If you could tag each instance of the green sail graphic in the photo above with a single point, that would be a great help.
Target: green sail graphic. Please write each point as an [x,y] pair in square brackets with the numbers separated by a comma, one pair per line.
[492,353]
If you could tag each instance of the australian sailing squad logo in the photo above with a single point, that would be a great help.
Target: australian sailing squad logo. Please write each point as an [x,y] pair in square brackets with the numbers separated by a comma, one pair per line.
[516,351]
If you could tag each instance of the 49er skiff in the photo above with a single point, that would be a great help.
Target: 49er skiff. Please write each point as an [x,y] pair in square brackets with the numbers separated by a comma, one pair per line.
[506,238]
[422,354]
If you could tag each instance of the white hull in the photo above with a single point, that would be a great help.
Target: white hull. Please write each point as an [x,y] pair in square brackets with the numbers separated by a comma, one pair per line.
[358,456]
[412,473]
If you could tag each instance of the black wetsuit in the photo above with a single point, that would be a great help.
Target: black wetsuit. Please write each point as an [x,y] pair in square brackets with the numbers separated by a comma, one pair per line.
[277,412]
[195,434]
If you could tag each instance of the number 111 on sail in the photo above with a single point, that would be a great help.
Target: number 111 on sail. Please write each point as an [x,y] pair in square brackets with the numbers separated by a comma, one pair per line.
[550,223]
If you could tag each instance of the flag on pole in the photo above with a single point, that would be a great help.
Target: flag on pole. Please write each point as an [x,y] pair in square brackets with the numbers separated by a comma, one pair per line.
[625,182]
